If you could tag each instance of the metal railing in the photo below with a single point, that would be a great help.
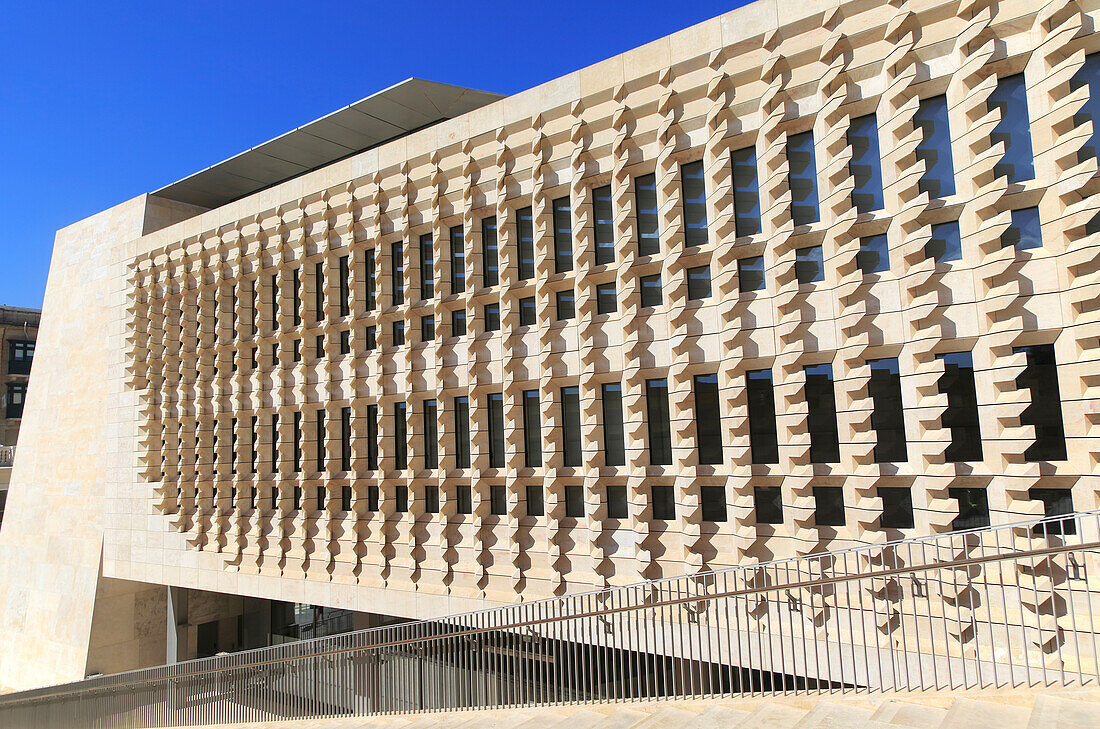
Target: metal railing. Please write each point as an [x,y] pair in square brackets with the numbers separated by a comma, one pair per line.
[1006,606]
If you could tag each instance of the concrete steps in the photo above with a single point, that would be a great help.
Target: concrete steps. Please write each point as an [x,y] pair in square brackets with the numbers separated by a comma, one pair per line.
[1056,708]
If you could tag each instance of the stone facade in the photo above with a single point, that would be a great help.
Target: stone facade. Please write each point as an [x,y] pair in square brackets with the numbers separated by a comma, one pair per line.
[195,334]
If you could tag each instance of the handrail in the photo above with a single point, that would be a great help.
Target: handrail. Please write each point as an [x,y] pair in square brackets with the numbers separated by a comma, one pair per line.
[573,623]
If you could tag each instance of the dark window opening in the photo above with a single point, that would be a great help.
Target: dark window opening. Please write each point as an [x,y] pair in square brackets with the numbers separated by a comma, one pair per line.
[802,178]
[532,429]
[829,503]
[617,507]
[458,260]
[746,192]
[874,254]
[400,438]
[498,500]
[768,502]
[1044,413]
[563,235]
[809,264]
[566,305]
[527,311]
[605,225]
[458,323]
[574,501]
[651,290]
[614,437]
[897,507]
[961,414]
[1056,503]
[1013,129]
[535,503]
[945,243]
[496,430]
[934,149]
[492,317]
[658,420]
[490,253]
[750,274]
[606,299]
[866,164]
[663,502]
[763,433]
[431,435]
[821,418]
[708,419]
[464,499]
[645,199]
[397,272]
[462,432]
[427,267]
[888,416]
[713,500]
[1025,230]
[571,425]
[698,282]
[525,234]
[973,508]
[694,189]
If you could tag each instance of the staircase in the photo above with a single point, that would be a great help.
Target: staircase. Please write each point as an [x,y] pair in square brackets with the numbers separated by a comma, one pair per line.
[1010,709]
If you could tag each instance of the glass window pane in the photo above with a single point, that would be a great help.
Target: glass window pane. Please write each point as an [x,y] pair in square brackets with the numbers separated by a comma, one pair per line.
[651,290]
[525,233]
[945,244]
[934,148]
[698,280]
[490,255]
[1025,230]
[746,192]
[694,189]
[645,198]
[874,254]
[866,164]
[1014,129]
[563,236]
[606,299]
[605,225]
[803,178]
[809,264]
[750,274]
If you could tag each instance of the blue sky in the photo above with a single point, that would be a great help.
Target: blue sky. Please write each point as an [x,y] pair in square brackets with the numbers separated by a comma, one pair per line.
[101,101]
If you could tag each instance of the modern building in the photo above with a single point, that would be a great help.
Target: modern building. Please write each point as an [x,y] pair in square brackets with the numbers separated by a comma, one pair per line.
[804,277]
[18,328]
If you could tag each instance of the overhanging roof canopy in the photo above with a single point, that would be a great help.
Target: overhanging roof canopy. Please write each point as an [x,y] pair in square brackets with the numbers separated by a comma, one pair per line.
[394,112]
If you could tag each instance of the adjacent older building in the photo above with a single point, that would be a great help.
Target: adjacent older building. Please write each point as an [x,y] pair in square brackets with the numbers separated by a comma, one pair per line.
[17,333]
[779,283]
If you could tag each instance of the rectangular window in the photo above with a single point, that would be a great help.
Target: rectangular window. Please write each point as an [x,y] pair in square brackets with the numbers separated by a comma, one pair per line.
[345,440]
[274,301]
[525,235]
[458,323]
[605,225]
[297,500]
[973,508]
[763,435]
[296,291]
[431,435]
[829,505]
[498,500]
[345,342]
[803,178]
[527,311]
[1013,129]
[746,192]
[645,199]
[345,287]
[945,243]
[606,299]
[458,260]
[567,305]
[535,505]
[563,236]
[319,346]
[809,264]
[319,290]
[371,338]
[275,443]
[427,267]
[17,394]
[1088,75]
[398,333]
[427,328]
[713,501]
[1056,503]
[345,498]
[532,430]
[252,442]
[750,274]
[574,501]
[888,416]
[897,507]
[768,502]
[651,290]
[400,437]
[874,254]
[372,497]
[401,499]
[372,285]
[492,317]
[1044,414]
[662,501]
[496,430]
[694,190]
[614,437]
[934,148]
[397,272]
[464,498]
[821,418]
[698,280]
[1024,231]
[320,440]
[321,494]
[372,437]
[866,164]
[961,414]
[708,419]
[297,442]
[571,425]
[659,422]
[617,503]
[490,253]
[462,432]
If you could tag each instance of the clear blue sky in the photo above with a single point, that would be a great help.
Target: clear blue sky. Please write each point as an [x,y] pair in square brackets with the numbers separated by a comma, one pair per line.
[102,101]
